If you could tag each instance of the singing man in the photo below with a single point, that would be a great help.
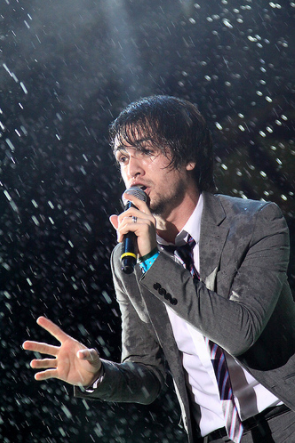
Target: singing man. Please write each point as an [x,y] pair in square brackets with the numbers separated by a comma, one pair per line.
[208,296]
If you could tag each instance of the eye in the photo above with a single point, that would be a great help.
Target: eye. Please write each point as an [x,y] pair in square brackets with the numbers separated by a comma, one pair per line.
[147,151]
[122,158]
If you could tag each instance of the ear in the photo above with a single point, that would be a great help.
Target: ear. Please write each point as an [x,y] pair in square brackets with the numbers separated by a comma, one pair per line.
[190,166]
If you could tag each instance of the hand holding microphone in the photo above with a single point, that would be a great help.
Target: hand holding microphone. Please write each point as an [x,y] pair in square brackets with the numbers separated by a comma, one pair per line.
[136,228]
[129,256]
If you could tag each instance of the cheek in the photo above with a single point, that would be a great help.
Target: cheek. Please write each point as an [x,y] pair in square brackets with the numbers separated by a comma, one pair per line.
[123,175]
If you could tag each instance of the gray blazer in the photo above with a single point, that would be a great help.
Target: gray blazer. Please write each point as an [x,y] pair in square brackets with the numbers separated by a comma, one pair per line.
[242,302]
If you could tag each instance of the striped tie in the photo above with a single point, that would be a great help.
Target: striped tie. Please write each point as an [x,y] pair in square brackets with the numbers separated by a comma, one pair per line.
[185,254]
[233,422]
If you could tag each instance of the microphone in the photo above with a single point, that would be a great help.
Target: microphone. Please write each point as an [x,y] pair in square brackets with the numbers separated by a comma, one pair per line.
[128,256]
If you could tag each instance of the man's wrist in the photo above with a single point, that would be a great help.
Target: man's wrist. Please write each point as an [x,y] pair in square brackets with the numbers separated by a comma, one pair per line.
[149,255]
[96,380]
[147,260]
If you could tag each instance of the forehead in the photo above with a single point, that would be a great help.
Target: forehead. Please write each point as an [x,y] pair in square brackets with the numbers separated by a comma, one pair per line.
[121,144]
[135,134]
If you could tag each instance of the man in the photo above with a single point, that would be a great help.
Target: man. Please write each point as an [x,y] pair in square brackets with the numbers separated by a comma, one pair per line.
[226,299]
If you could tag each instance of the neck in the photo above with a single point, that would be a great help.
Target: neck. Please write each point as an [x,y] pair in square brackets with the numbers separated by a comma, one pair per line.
[169,225]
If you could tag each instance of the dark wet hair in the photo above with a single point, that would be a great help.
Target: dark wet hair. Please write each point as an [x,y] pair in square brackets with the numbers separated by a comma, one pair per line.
[173,123]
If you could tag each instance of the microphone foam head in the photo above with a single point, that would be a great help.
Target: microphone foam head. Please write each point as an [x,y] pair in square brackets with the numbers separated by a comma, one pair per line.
[137,192]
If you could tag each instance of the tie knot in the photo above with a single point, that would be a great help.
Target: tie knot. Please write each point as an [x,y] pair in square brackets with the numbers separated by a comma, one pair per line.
[187,247]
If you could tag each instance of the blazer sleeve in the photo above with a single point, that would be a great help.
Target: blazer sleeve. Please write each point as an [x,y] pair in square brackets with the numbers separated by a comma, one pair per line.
[140,375]
[236,318]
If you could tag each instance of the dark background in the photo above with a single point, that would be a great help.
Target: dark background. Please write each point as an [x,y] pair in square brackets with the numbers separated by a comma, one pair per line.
[67,68]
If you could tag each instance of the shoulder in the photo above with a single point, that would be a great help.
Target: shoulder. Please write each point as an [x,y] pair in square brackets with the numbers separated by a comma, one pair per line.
[241,215]
[236,206]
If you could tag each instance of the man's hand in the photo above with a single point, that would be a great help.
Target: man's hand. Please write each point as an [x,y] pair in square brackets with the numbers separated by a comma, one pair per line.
[144,228]
[72,362]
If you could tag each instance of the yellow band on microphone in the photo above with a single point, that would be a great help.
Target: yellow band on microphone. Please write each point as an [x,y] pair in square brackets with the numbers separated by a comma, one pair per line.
[128,254]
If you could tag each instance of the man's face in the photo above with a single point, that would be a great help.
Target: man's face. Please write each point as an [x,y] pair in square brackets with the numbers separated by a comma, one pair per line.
[148,167]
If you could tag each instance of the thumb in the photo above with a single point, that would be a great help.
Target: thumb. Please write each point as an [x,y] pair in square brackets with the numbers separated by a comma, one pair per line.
[114,220]
[90,355]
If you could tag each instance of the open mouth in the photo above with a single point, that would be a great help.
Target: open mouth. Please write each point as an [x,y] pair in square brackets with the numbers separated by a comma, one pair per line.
[141,187]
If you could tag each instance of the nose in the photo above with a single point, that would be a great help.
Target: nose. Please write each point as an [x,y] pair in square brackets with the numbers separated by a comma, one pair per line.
[134,168]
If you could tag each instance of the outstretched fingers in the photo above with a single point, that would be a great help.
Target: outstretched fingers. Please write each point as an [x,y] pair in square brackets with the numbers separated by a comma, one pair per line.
[52,328]
[42,348]
[45,363]
[70,362]
[45,375]
[50,366]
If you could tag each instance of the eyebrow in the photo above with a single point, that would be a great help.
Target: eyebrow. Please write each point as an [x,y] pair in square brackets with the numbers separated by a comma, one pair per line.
[137,143]
[120,148]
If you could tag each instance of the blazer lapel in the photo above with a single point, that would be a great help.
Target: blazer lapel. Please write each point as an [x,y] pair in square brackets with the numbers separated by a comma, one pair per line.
[212,239]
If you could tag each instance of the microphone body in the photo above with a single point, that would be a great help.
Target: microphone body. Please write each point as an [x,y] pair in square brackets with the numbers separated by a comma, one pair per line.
[128,255]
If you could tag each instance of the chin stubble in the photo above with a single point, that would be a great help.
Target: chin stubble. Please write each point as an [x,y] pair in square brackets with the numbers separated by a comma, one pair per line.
[163,206]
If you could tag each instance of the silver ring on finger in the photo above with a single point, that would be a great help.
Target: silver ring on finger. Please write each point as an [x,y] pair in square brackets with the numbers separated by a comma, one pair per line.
[134,219]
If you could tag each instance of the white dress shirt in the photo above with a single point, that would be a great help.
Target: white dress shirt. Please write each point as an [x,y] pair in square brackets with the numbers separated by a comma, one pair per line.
[250,396]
